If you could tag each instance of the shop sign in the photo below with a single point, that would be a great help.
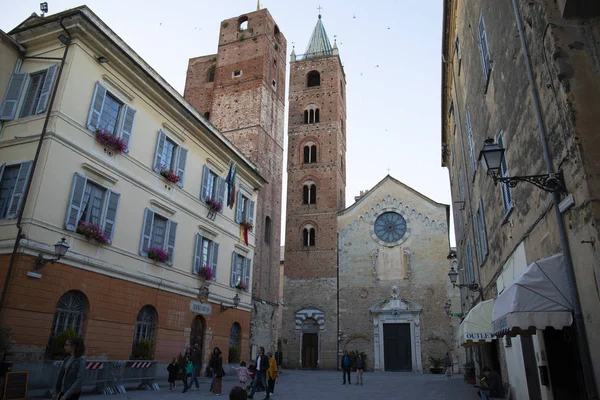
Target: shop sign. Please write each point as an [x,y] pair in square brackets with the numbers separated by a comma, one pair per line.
[200,308]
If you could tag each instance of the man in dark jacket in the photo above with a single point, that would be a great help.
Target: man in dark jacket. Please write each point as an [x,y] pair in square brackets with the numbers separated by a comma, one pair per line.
[491,385]
[196,359]
[346,365]
[262,365]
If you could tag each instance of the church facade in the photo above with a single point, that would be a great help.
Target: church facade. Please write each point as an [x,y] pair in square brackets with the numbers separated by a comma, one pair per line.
[370,278]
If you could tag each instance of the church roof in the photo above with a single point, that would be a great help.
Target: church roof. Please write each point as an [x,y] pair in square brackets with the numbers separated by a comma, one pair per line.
[319,44]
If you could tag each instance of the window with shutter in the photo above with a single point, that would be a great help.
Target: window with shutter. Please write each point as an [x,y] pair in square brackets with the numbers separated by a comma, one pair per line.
[32,95]
[210,184]
[13,180]
[13,94]
[159,232]
[247,272]
[92,204]
[470,140]
[484,50]
[169,156]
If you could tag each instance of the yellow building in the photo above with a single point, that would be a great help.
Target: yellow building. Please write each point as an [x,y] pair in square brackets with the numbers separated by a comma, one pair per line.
[116,209]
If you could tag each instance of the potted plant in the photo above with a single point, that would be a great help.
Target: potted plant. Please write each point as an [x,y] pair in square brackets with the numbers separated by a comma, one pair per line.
[142,350]
[436,365]
[57,345]
[241,286]
[169,174]
[214,207]
[470,372]
[92,231]
[105,138]
[158,254]
[245,227]
[206,273]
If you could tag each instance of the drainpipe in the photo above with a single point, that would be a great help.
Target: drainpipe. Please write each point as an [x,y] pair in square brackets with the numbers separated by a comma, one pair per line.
[337,282]
[20,234]
[582,344]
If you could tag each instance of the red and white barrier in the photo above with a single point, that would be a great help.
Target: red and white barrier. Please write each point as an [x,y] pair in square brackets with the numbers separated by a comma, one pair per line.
[138,364]
[94,365]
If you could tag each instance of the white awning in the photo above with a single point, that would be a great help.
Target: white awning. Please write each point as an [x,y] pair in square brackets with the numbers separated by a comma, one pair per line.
[477,325]
[540,297]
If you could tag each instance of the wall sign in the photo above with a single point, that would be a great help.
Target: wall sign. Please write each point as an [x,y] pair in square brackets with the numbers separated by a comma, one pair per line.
[15,386]
[200,308]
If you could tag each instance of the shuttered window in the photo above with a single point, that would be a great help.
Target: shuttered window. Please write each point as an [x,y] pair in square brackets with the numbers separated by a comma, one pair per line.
[241,268]
[213,186]
[110,114]
[158,231]
[91,203]
[481,239]
[169,156]
[484,50]
[244,208]
[13,180]
[470,140]
[206,253]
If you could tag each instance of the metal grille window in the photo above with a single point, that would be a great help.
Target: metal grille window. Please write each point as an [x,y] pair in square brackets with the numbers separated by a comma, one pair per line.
[235,337]
[70,313]
[144,324]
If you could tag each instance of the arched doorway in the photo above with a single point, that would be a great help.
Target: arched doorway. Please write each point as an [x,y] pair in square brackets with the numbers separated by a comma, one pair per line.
[197,334]
[310,344]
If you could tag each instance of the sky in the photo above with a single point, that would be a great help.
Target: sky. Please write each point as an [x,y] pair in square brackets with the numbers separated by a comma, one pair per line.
[391,52]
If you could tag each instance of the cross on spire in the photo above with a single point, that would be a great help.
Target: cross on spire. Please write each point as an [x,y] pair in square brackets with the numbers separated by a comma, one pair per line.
[388,170]
[319,8]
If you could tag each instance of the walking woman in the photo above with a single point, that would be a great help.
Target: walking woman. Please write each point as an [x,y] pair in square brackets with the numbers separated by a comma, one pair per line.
[272,373]
[72,371]
[216,363]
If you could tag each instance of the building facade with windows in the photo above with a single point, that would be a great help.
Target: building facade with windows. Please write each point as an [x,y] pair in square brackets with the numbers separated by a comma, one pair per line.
[508,235]
[137,182]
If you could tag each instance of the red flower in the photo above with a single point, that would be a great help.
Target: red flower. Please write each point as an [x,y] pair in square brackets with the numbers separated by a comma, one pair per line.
[92,231]
[106,138]
[158,254]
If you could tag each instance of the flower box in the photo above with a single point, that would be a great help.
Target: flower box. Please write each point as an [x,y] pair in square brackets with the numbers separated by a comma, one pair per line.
[105,138]
[241,286]
[246,225]
[158,254]
[170,175]
[214,205]
[206,273]
[92,231]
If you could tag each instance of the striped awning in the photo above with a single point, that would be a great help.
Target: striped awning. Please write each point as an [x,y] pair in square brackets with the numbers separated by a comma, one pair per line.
[477,325]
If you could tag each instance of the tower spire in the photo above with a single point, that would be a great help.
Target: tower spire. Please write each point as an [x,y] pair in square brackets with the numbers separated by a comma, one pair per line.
[319,44]
[257,5]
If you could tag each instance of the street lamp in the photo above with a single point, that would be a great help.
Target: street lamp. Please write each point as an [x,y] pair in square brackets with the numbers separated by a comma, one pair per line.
[453,275]
[493,155]
[60,249]
[447,308]
[236,303]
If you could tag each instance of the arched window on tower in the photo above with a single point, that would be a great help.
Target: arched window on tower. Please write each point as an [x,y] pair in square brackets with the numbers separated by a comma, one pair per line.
[310,153]
[313,78]
[309,193]
[308,236]
[210,74]
[243,23]
[311,114]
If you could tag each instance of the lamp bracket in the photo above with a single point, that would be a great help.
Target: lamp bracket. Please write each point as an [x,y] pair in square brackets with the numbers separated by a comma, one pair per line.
[547,182]
[40,261]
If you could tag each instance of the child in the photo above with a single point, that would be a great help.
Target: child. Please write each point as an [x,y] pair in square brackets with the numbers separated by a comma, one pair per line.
[189,367]
[172,368]
[243,373]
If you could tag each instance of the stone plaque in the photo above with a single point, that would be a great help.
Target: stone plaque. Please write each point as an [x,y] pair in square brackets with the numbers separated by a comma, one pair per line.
[200,308]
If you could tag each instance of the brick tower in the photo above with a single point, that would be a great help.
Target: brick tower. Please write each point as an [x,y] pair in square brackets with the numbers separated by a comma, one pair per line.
[241,90]
[315,193]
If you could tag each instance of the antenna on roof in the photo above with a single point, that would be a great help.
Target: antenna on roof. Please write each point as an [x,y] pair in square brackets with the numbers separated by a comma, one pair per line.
[44,8]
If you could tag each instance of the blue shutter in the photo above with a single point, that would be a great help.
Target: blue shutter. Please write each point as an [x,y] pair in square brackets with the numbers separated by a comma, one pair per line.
[484,243]
[215,259]
[171,233]
[147,232]
[75,200]
[197,255]
[250,212]
[96,107]
[234,274]
[239,211]
[478,238]
[127,126]
[110,214]
[46,88]
[19,190]
[13,94]
[181,160]
[247,269]
[221,192]
[160,145]
[204,188]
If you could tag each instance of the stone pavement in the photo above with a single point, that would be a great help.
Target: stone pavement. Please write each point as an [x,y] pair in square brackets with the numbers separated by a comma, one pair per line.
[294,384]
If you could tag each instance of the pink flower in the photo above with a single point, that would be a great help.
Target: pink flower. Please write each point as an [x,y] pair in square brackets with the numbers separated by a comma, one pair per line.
[105,138]
[206,273]
[214,204]
[92,231]
[169,174]
[242,286]
[158,254]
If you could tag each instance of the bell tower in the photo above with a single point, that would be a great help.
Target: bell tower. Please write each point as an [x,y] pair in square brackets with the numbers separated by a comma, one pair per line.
[316,189]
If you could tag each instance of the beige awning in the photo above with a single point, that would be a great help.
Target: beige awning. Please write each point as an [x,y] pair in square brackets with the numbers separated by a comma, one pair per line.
[477,325]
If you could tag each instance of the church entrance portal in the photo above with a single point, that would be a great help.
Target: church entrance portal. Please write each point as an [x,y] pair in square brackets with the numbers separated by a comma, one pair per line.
[310,344]
[397,347]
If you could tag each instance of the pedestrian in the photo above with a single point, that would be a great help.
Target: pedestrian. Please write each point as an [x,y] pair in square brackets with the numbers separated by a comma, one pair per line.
[216,364]
[196,358]
[360,368]
[262,365]
[72,371]
[243,373]
[187,373]
[491,385]
[272,373]
[448,365]
[172,368]
[238,393]
[346,365]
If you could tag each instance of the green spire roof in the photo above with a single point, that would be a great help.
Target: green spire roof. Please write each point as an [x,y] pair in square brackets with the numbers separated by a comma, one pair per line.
[319,44]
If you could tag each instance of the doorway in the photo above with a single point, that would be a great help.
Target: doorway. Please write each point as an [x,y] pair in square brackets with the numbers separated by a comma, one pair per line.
[563,364]
[197,335]
[531,371]
[310,344]
[397,352]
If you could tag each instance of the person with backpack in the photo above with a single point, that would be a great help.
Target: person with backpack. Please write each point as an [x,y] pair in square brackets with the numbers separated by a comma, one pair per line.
[189,368]
[346,366]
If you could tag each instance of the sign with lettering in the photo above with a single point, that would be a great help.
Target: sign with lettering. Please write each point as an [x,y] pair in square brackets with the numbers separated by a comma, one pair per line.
[479,336]
[15,386]
[200,308]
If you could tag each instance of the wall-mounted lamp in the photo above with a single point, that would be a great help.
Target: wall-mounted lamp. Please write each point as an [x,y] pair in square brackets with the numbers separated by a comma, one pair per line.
[60,249]
[102,59]
[236,303]
[44,8]
[453,275]
[447,307]
[493,157]
[64,40]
